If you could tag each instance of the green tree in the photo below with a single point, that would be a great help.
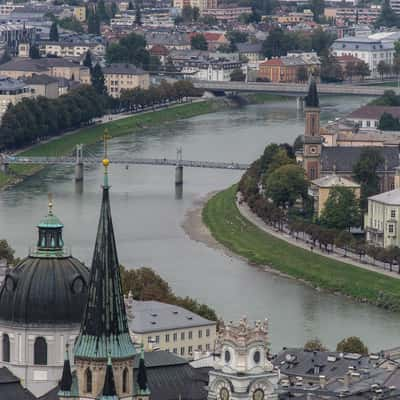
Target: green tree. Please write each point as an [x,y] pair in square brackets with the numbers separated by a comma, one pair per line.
[314,345]
[198,42]
[54,32]
[237,75]
[237,37]
[344,240]
[34,52]
[389,98]
[71,24]
[286,185]
[397,49]
[6,252]
[187,14]
[387,17]
[130,6]
[383,69]
[365,172]
[317,7]
[352,344]
[350,69]
[87,61]
[341,210]
[276,44]
[388,123]
[97,77]
[138,15]
[101,12]
[362,69]
[93,22]
[331,71]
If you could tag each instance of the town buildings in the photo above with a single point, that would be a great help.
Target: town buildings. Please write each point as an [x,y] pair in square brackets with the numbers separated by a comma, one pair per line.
[119,77]
[13,91]
[171,328]
[200,4]
[226,14]
[367,117]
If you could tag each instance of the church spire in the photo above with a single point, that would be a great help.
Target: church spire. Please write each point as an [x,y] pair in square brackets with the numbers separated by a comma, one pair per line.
[104,328]
[66,379]
[109,391]
[312,99]
[141,379]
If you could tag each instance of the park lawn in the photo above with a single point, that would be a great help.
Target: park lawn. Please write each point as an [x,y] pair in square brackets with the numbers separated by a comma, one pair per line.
[65,144]
[239,235]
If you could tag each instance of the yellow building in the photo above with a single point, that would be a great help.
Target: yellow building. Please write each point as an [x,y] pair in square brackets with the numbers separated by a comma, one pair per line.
[79,13]
[320,189]
[161,326]
[118,77]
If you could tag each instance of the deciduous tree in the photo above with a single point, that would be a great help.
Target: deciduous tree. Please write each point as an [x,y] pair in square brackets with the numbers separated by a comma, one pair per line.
[352,344]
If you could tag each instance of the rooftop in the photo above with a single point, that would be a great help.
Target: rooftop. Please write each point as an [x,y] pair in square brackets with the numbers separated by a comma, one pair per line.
[391,198]
[335,180]
[153,316]
[121,68]
[374,112]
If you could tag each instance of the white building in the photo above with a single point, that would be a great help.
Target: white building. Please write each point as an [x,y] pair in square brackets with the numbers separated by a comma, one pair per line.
[367,49]
[211,70]
[395,4]
[12,91]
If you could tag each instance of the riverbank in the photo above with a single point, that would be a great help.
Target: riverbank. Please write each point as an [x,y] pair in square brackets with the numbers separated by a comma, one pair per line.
[240,236]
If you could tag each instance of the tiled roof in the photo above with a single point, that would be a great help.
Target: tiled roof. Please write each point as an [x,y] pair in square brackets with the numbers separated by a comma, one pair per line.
[374,112]
[392,197]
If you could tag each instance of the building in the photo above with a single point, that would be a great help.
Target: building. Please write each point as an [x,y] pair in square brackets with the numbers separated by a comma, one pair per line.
[227,14]
[12,34]
[79,12]
[171,328]
[243,370]
[320,160]
[251,52]
[294,18]
[43,85]
[200,4]
[353,16]
[211,69]
[41,305]
[55,67]
[321,187]
[12,91]
[118,77]
[395,5]
[371,51]
[288,68]
[367,117]
[71,49]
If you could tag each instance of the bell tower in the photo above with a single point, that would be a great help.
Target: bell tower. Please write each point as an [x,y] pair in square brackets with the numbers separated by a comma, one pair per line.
[312,139]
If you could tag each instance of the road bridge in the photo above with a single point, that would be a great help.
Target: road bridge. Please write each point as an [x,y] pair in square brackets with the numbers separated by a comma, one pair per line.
[294,89]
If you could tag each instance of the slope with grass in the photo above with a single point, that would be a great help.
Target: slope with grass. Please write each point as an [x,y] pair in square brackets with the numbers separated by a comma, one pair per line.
[240,236]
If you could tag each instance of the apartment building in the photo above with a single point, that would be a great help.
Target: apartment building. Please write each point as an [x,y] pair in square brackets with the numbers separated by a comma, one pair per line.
[68,49]
[79,12]
[118,77]
[12,91]
[200,4]
[161,326]
[226,14]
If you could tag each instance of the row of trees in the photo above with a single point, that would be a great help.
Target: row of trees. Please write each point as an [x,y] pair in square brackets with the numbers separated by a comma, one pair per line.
[145,284]
[33,119]
[352,344]
[134,98]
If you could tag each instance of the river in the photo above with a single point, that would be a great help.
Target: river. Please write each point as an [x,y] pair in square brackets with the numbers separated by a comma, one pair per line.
[148,223]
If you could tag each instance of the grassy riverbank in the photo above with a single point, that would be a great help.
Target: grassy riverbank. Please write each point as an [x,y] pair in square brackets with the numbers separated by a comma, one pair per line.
[240,236]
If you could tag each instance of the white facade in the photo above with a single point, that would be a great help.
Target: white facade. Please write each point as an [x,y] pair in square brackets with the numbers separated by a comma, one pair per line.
[71,50]
[39,379]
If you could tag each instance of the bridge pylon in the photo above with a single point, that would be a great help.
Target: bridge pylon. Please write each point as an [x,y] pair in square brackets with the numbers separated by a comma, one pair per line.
[179,167]
[79,163]
[4,167]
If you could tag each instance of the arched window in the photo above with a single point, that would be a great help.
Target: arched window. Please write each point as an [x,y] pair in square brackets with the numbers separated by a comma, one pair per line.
[40,351]
[6,348]
[125,381]
[88,379]
[312,173]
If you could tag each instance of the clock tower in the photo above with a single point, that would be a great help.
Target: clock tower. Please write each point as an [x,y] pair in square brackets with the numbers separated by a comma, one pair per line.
[243,370]
[312,139]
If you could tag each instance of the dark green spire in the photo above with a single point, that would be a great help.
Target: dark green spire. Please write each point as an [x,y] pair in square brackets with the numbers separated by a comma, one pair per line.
[66,379]
[312,99]
[109,391]
[141,379]
[104,328]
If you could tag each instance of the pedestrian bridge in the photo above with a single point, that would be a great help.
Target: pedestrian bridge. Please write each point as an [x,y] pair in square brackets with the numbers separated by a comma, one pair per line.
[293,89]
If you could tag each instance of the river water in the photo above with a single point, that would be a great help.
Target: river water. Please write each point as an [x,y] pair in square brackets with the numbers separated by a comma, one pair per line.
[148,223]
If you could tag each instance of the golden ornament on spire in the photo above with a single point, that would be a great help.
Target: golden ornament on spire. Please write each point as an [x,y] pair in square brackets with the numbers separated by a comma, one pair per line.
[50,203]
[106,161]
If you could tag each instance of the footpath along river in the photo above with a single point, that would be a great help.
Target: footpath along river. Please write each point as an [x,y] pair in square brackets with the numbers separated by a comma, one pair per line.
[148,223]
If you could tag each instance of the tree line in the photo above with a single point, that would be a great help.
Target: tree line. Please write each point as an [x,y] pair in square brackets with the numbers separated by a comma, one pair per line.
[33,119]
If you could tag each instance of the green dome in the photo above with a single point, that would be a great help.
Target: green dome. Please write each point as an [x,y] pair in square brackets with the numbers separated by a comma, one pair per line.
[50,221]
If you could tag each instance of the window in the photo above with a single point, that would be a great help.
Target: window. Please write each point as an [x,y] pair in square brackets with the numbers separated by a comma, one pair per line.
[368,124]
[200,333]
[200,347]
[391,228]
[157,339]
[208,346]
[393,213]
[182,335]
[149,339]
[190,349]
[312,173]
[175,337]
[125,381]
[6,348]
[207,332]
[167,338]
[175,350]
[40,351]
[88,380]
[190,334]
[182,351]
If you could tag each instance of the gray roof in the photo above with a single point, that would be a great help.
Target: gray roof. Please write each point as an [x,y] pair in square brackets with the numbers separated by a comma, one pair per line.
[361,44]
[343,158]
[154,316]
[11,388]
[39,65]
[120,68]
[392,197]
[40,79]
[10,84]
[249,47]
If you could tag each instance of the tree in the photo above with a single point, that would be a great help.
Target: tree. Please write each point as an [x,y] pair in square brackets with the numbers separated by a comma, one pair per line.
[341,210]
[5,57]
[98,80]
[383,69]
[275,45]
[237,75]
[6,252]
[317,7]
[93,22]
[54,32]
[362,69]
[302,74]
[389,98]
[365,172]
[187,14]
[87,61]
[352,344]
[344,240]
[350,69]
[388,123]
[198,42]
[34,52]
[101,12]
[331,71]
[138,15]
[387,17]
[237,37]
[71,24]
[286,185]
[130,6]
[314,345]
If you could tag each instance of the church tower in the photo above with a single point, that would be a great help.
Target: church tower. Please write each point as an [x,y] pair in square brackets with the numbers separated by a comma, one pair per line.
[312,139]
[104,350]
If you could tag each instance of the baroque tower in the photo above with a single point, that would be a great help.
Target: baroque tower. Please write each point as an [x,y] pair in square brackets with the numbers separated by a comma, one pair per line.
[312,139]
[104,350]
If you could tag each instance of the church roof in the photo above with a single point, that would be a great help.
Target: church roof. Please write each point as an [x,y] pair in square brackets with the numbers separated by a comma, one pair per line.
[11,388]
[334,180]
[311,99]
[104,327]
[390,198]
[343,158]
